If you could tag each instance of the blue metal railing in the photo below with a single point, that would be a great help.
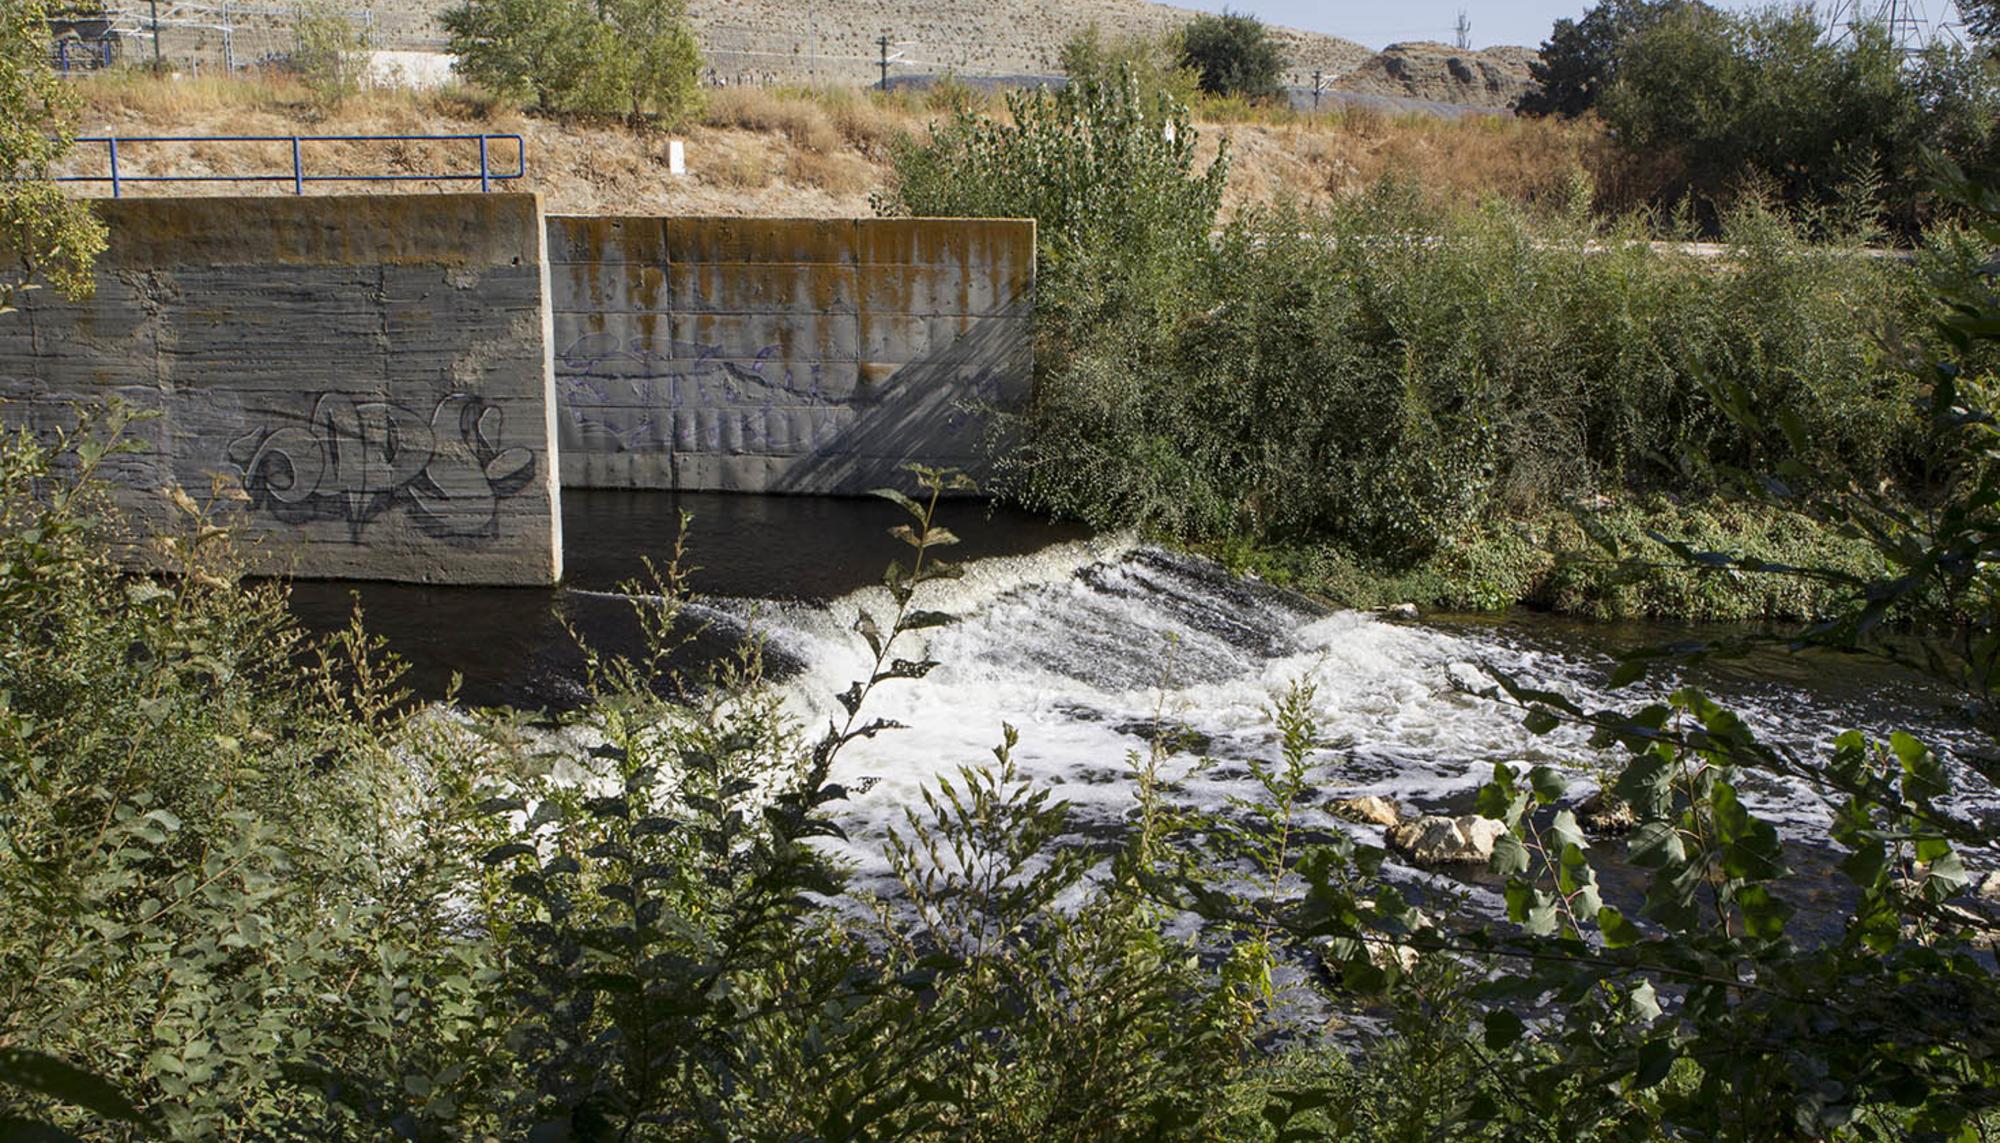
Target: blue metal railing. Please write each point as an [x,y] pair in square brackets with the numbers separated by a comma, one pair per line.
[486,175]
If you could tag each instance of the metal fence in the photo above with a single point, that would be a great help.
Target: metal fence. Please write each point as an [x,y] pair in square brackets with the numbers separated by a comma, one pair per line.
[485,175]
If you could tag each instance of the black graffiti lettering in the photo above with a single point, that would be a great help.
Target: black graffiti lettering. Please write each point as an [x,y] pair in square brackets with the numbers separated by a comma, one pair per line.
[355,460]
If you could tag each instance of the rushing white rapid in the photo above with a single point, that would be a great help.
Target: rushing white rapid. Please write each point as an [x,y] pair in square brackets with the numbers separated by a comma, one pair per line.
[1088,649]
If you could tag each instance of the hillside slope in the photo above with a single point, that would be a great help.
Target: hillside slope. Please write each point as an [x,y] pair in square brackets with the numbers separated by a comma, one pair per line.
[751,42]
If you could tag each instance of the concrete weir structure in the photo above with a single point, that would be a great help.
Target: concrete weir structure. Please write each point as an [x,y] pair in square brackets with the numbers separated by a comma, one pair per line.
[401,385]
[784,355]
[372,371]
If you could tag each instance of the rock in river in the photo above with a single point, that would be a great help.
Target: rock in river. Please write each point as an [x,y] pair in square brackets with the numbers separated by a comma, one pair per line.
[1370,810]
[1466,840]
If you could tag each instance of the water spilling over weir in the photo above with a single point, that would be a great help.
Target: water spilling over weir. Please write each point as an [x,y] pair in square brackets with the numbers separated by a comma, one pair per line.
[1095,648]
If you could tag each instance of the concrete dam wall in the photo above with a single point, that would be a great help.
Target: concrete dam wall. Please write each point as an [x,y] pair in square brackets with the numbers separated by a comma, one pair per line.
[771,355]
[401,385]
[373,372]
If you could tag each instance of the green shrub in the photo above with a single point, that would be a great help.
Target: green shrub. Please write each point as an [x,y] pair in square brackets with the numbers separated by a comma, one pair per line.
[1156,64]
[1233,54]
[1390,374]
[244,883]
[328,52]
[213,866]
[1710,106]
[619,57]
[46,236]
[1579,60]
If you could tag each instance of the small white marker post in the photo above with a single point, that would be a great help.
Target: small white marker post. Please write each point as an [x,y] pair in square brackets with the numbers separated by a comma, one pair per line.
[676,158]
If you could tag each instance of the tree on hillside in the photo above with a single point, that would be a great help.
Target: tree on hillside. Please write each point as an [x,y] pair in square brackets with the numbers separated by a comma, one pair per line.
[48,237]
[1233,54]
[604,57]
[1579,60]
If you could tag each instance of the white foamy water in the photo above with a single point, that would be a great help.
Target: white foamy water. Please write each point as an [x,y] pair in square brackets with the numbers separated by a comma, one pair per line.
[1086,649]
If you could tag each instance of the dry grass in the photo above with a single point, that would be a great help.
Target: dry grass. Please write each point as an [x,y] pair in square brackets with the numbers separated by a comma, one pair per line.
[801,120]
[1317,160]
[803,152]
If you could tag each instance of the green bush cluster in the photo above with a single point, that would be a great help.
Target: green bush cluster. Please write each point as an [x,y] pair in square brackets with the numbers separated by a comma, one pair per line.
[635,58]
[1388,375]
[1233,54]
[247,891]
[1557,561]
[1729,99]
[328,49]
[1156,63]
[46,237]
[249,886]
[1709,105]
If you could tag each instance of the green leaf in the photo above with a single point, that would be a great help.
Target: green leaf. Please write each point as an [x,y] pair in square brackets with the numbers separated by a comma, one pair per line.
[1564,832]
[901,501]
[1763,914]
[1656,1059]
[1642,1004]
[1656,845]
[1618,931]
[1499,802]
[1509,856]
[51,1077]
[1866,865]
[1945,877]
[1531,908]
[1924,775]
[1548,784]
[1503,1029]
[27,1130]
[1628,672]
[1539,721]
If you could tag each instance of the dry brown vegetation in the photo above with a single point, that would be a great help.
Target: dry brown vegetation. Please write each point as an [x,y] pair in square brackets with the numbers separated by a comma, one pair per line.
[786,152]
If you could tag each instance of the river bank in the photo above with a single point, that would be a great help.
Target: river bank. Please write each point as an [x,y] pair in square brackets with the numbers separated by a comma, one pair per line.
[1558,562]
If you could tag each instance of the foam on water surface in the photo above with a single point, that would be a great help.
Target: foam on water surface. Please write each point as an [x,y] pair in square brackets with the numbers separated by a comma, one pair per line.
[1089,649]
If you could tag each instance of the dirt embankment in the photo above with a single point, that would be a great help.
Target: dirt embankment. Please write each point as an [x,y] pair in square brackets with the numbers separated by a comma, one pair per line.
[1495,77]
[758,152]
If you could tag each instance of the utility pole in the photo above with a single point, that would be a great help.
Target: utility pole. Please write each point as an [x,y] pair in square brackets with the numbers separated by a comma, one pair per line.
[883,43]
[157,65]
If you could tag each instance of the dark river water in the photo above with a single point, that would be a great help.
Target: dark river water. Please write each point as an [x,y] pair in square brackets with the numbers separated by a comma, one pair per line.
[1087,644]
[509,646]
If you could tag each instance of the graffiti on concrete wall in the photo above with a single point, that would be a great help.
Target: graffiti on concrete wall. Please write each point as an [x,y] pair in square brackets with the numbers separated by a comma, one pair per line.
[354,460]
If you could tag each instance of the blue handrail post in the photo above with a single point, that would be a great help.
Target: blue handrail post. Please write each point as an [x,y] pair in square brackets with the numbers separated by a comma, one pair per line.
[485,173]
[298,169]
[115,186]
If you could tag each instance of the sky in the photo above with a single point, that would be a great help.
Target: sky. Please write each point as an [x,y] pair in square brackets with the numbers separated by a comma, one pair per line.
[1524,22]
